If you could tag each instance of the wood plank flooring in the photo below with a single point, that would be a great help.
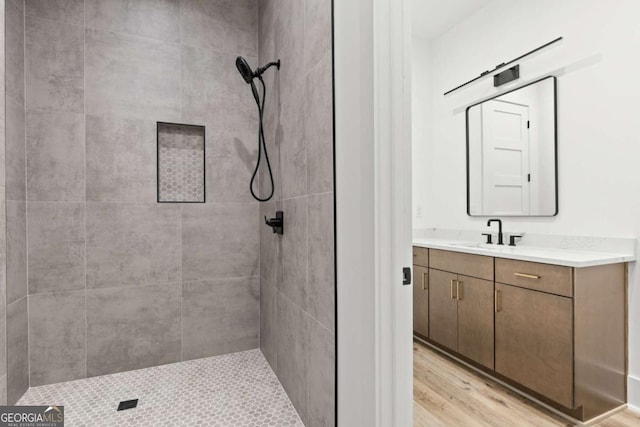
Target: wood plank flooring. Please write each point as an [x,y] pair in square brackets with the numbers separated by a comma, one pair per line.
[448,394]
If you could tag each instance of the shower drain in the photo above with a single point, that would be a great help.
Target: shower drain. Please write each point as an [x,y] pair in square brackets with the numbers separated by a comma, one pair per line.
[127,404]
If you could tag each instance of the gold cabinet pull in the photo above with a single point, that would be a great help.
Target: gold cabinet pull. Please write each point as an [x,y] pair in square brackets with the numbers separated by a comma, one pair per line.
[496,300]
[451,288]
[458,294]
[527,276]
[424,281]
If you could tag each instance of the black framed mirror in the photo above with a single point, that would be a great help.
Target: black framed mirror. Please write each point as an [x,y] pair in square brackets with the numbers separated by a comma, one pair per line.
[512,162]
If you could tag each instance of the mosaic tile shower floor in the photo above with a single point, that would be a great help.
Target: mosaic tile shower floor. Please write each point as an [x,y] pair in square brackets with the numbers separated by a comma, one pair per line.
[232,390]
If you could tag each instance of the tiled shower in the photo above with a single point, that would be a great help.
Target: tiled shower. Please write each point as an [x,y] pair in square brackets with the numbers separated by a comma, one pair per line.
[104,274]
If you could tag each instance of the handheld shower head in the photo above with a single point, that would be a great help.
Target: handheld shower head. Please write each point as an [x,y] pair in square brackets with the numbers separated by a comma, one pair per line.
[244,69]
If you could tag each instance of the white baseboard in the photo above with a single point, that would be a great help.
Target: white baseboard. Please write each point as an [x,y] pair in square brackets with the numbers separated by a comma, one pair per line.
[633,393]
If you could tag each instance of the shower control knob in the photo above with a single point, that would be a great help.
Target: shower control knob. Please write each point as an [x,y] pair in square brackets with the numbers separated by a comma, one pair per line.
[276,223]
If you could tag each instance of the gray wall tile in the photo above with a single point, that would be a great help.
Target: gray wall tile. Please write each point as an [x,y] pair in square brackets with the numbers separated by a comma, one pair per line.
[54,65]
[158,19]
[121,159]
[16,251]
[15,151]
[56,245]
[271,245]
[274,153]
[132,244]
[319,128]
[56,337]
[317,31]
[133,328]
[287,22]
[289,46]
[3,285]
[220,241]
[321,270]
[301,127]
[3,389]
[266,29]
[70,11]
[213,92]
[269,323]
[294,252]
[292,145]
[231,158]
[17,350]
[55,156]
[14,55]
[220,316]
[3,339]
[2,87]
[132,77]
[293,349]
[321,410]
[225,26]
[3,158]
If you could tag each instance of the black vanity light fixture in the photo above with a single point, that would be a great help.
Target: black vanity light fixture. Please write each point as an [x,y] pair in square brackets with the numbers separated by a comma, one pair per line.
[507,76]
[504,64]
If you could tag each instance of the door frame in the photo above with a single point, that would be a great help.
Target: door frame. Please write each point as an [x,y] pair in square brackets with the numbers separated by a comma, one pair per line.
[372,45]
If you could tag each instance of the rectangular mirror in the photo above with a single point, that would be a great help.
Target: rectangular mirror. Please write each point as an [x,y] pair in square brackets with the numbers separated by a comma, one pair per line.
[511,153]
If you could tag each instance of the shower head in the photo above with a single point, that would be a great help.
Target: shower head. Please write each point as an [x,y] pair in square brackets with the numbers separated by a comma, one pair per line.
[244,69]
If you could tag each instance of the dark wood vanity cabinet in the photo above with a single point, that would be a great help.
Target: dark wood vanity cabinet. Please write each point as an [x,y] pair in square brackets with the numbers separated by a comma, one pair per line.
[533,341]
[421,291]
[443,316]
[556,332]
[461,306]
[421,300]
[475,320]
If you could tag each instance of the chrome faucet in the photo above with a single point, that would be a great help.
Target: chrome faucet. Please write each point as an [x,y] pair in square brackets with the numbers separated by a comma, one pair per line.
[500,235]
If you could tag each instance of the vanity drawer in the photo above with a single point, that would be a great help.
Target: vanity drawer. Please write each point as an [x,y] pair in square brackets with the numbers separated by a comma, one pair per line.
[421,256]
[479,266]
[554,279]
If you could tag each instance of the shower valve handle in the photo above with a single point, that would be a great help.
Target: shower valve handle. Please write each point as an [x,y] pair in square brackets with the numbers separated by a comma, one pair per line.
[276,223]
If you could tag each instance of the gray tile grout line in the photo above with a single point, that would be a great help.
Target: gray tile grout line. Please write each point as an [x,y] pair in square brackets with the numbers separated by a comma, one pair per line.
[26,195]
[143,285]
[84,118]
[181,291]
[180,47]
[5,376]
[109,202]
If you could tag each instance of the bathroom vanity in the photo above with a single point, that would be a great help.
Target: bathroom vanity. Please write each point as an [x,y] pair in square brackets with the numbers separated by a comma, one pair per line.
[550,322]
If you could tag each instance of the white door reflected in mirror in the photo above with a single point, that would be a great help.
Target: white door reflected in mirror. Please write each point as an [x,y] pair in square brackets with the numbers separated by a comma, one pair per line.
[511,153]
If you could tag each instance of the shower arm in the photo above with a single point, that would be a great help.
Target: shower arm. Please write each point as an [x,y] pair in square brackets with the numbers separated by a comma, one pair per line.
[260,70]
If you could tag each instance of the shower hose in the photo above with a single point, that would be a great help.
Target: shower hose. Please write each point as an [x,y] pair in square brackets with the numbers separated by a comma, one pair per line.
[261,142]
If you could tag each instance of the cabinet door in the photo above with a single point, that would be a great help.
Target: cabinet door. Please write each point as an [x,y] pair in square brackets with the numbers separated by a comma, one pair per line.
[475,319]
[534,344]
[421,300]
[443,309]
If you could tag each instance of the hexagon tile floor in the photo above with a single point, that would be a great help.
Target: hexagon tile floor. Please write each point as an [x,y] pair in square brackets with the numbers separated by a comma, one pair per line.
[232,390]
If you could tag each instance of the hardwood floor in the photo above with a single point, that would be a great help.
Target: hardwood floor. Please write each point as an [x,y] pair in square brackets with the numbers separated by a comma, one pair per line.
[448,394]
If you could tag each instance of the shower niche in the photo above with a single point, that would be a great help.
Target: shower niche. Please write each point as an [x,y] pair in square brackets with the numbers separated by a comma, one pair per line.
[181,163]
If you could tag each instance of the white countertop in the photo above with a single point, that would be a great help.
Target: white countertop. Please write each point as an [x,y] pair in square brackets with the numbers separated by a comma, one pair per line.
[596,251]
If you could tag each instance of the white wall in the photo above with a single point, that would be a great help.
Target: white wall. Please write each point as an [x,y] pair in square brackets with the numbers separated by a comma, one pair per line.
[598,71]
[421,101]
